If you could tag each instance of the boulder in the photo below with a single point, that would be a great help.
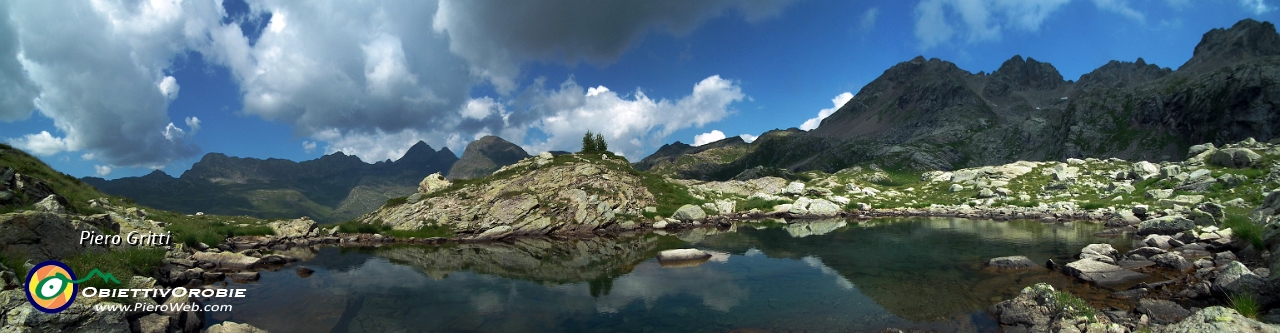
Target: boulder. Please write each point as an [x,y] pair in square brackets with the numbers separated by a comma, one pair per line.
[1167,225]
[153,323]
[794,188]
[1100,252]
[433,182]
[1144,170]
[227,261]
[689,213]
[1235,157]
[1160,241]
[1140,210]
[1101,273]
[1219,319]
[822,207]
[956,188]
[1198,149]
[1158,194]
[1172,261]
[1145,252]
[39,235]
[1161,311]
[660,225]
[20,316]
[1012,262]
[800,206]
[294,228]
[1236,277]
[53,204]
[495,232]
[233,327]
[683,255]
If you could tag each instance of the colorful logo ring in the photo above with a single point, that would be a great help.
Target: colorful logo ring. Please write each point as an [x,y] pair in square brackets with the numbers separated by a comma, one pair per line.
[51,286]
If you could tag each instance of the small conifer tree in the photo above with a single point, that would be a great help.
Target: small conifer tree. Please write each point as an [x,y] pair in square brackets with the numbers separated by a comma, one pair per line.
[601,146]
[588,143]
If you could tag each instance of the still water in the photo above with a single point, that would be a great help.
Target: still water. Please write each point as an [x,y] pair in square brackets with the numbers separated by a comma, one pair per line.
[821,276]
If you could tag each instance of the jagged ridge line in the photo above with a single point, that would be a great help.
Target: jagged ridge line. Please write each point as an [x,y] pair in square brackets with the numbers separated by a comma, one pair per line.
[106,277]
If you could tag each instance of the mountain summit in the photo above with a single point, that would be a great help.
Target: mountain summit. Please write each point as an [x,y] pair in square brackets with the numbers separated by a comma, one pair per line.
[931,115]
[334,187]
[484,156]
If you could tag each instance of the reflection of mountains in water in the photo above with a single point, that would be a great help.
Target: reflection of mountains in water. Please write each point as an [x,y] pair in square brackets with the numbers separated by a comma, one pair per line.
[920,269]
[543,260]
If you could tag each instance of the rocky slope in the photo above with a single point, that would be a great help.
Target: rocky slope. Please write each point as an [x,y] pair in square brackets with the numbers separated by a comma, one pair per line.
[484,156]
[928,114]
[334,187]
[568,194]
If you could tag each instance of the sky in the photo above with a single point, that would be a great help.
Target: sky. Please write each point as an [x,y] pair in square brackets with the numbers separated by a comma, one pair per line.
[117,88]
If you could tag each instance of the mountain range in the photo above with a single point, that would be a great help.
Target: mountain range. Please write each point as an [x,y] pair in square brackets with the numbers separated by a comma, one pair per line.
[334,187]
[928,114]
[921,114]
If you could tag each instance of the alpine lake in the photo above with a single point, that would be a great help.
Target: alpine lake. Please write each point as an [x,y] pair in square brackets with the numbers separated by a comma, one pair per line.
[767,276]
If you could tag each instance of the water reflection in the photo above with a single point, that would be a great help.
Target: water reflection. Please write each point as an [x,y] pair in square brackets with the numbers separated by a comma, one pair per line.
[825,275]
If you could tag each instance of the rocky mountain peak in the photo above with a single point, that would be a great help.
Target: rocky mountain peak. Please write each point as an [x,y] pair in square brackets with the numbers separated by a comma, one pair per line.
[484,156]
[1245,40]
[157,174]
[1028,74]
[1121,74]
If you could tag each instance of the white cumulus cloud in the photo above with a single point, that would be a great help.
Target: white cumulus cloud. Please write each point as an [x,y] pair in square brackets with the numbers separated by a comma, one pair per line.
[938,21]
[836,102]
[43,143]
[100,76]
[709,137]
[308,147]
[1257,7]
[101,170]
[749,138]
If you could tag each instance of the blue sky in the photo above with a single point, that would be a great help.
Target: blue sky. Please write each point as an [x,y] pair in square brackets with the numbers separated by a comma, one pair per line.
[118,88]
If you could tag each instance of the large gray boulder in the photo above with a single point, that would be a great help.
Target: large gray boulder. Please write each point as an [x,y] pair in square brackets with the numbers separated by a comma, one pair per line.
[432,183]
[41,235]
[1167,225]
[1161,311]
[302,227]
[1100,273]
[822,207]
[1235,157]
[1145,170]
[1236,277]
[1100,252]
[689,213]
[1219,319]
[1172,261]
[52,204]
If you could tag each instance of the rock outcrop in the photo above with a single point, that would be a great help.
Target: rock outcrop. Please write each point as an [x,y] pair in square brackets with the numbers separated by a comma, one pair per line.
[569,194]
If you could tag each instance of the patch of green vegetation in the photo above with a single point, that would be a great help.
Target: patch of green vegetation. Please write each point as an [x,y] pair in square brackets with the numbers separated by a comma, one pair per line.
[395,202]
[758,203]
[75,191]
[356,227]
[14,263]
[670,196]
[122,263]
[209,229]
[1242,227]
[1091,205]
[1074,306]
[1246,304]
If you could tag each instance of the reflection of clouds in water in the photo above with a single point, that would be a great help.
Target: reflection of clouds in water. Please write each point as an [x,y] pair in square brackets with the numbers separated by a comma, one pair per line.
[379,275]
[753,252]
[815,262]
[649,282]
[487,302]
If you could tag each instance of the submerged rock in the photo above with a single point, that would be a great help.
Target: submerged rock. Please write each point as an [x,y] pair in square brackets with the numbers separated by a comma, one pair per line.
[1012,262]
[683,255]
[234,327]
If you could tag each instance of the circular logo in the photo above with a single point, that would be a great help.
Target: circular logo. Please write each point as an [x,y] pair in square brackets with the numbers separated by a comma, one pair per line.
[50,286]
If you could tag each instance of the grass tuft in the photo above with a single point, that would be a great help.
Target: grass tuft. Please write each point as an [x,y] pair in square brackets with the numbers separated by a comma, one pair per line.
[123,264]
[1246,304]
[1074,306]
[1242,227]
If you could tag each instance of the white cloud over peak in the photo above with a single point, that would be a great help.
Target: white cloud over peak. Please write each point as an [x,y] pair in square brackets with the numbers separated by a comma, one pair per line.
[308,147]
[1120,7]
[709,137]
[938,21]
[630,123]
[495,37]
[868,21]
[836,102]
[749,138]
[101,170]
[1257,7]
